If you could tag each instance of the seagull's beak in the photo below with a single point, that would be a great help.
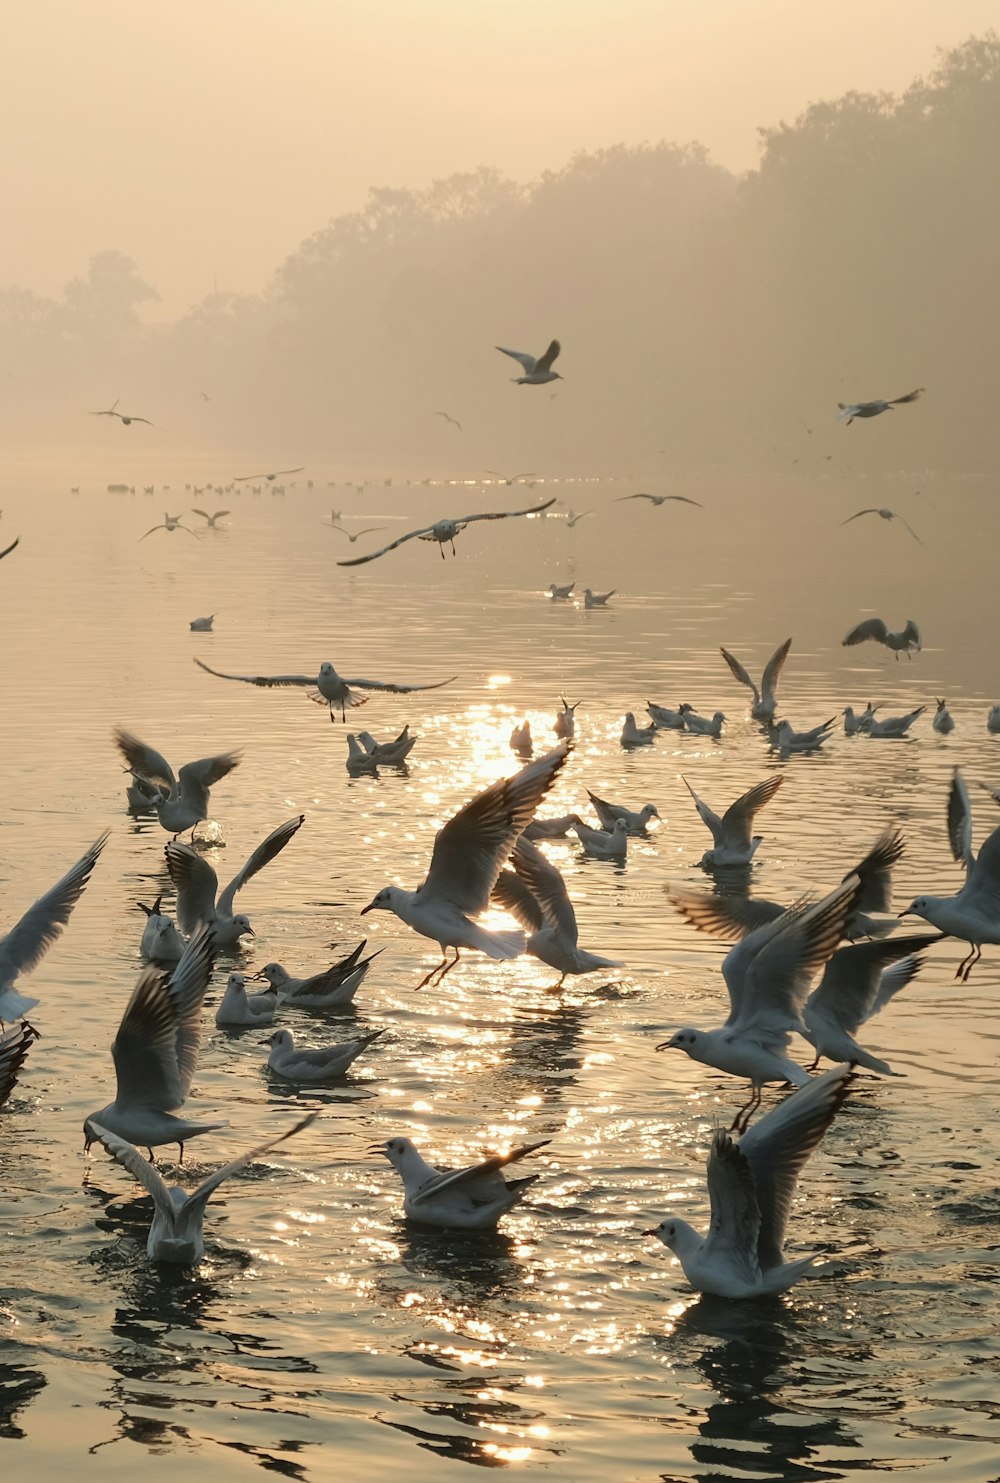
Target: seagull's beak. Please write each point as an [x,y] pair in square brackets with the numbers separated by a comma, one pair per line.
[249,932]
[665,1045]
[648,1233]
[366,909]
[375,1148]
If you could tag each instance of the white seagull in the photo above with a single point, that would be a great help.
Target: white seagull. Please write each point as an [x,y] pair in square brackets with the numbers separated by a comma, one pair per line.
[155,1054]
[732,841]
[314,1063]
[237,1007]
[334,988]
[197,884]
[873,628]
[597,599]
[857,984]
[603,844]
[181,802]
[944,721]
[894,725]
[751,1185]
[469,853]
[850,410]
[885,514]
[445,531]
[559,593]
[27,942]
[360,762]
[765,700]
[241,478]
[660,499]
[666,719]
[535,893]
[633,735]
[787,739]
[169,522]
[564,725]
[471,1199]
[636,821]
[703,725]
[330,689]
[537,369]
[177,1232]
[391,753]
[160,940]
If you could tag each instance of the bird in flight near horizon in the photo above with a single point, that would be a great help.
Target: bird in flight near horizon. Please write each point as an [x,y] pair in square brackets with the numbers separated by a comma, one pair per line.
[169,522]
[874,628]
[240,478]
[537,370]
[453,420]
[126,420]
[212,519]
[8,549]
[445,531]
[660,499]
[354,536]
[330,689]
[885,514]
[850,410]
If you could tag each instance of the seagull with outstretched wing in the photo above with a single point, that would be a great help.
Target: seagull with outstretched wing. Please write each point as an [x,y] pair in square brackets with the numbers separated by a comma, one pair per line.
[537,369]
[330,688]
[445,531]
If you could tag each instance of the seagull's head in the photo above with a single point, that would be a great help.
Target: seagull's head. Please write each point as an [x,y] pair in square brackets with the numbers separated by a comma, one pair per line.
[274,973]
[667,1231]
[281,1039]
[326,669]
[684,1040]
[918,908]
[242,927]
[396,1150]
[236,981]
[384,901]
[649,811]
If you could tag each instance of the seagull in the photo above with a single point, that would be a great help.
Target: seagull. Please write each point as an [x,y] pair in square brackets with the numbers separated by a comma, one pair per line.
[702,725]
[237,1007]
[471,1199]
[666,719]
[596,599]
[572,518]
[170,522]
[197,884]
[126,421]
[555,591]
[182,802]
[469,853]
[637,736]
[857,984]
[353,536]
[874,628]
[535,893]
[445,531]
[520,739]
[993,720]
[894,725]
[885,515]
[637,823]
[314,1063]
[359,761]
[14,1046]
[768,975]
[241,478]
[660,499]
[972,914]
[213,519]
[331,689]
[943,721]
[733,844]
[850,410]
[155,1054]
[854,723]
[514,478]
[603,844]
[334,988]
[27,942]
[551,828]
[177,1232]
[161,940]
[8,549]
[787,739]
[202,625]
[453,420]
[389,754]
[765,700]
[537,371]
[750,1186]
[564,725]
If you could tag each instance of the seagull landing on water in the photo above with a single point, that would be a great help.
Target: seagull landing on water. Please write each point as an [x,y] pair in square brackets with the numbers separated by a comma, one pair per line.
[732,841]
[472,1199]
[874,628]
[537,370]
[197,885]
[211,519]
[180,802]
[751,1185]
[170,522]
[330,688]
[660,499]
[765,700]
[445,531]
[850,410]
[469,853]
[535,893]
[884,514]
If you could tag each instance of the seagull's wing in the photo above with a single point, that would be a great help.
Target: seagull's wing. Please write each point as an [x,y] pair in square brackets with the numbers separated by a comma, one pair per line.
[239,478]
[505,514]
[912,633]
[850,984]
[30,939]
[547,887]
[278,472]
[156,1048]
[398,689]
[196,884]
[858,516]
[960,822]
[513,895]
[195,778]
[144,761]
[869,628]
[149,532]
[219,514]
[262,855]
[773,668]
[623,497]
[14,1046]
[739,672]
[199,1197]
[728,917]
[909,527]
[983,883]
[707,816]
[893,979]
[734,1230]
[472,1172]
[8,549]
[472,848]
[544,362]
[875,871]
[269,680]
[400,540]
[737,821]
[204,513]
[776,1148]
[140,1168]
[911,396]
[684,500]
[527,361]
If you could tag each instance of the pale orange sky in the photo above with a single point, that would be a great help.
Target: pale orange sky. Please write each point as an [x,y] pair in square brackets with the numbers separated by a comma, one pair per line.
[206,138]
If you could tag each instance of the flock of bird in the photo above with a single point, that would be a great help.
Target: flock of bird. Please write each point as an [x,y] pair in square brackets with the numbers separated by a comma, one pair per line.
[489,855]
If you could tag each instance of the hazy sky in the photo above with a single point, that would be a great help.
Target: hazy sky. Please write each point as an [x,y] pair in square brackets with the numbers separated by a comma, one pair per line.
[206,138]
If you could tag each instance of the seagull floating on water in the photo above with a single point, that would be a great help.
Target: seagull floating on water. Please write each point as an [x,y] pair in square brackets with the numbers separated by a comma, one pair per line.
[636,822]
[202,625]
[603,844]
[765,700]
[330,688]
[787,739]
[445,531]
[389,754]
[732,842]
[596,599]
[316,1063]
[944,721]
[666,719]
[471,1199]
[703,725]
[885,514]
[333,988]
[637,736]
[160,940]
[237,1007]
[850,410]
[537,369]
[893,725]
[564,725]
[558,593]
[874,628]
[197,884]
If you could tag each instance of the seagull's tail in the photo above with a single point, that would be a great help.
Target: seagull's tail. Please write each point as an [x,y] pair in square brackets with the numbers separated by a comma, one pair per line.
[780,1279]
[16,1005]
[500,945]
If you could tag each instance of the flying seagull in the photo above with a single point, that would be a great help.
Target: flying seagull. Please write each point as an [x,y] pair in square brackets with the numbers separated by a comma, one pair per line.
[850,410]
[660,499]
[537,371]
[181,802]
[331,689]
[874,628]
[445,531]
[199,900]
[453,420]
[171,522]
[356,535]
[127,421]
[212,519]
[765,700]
[885,515]
[8,549]
[495,474]
[240,478]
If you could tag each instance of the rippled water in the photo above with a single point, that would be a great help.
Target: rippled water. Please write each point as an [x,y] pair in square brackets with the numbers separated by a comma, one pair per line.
[320,1335]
